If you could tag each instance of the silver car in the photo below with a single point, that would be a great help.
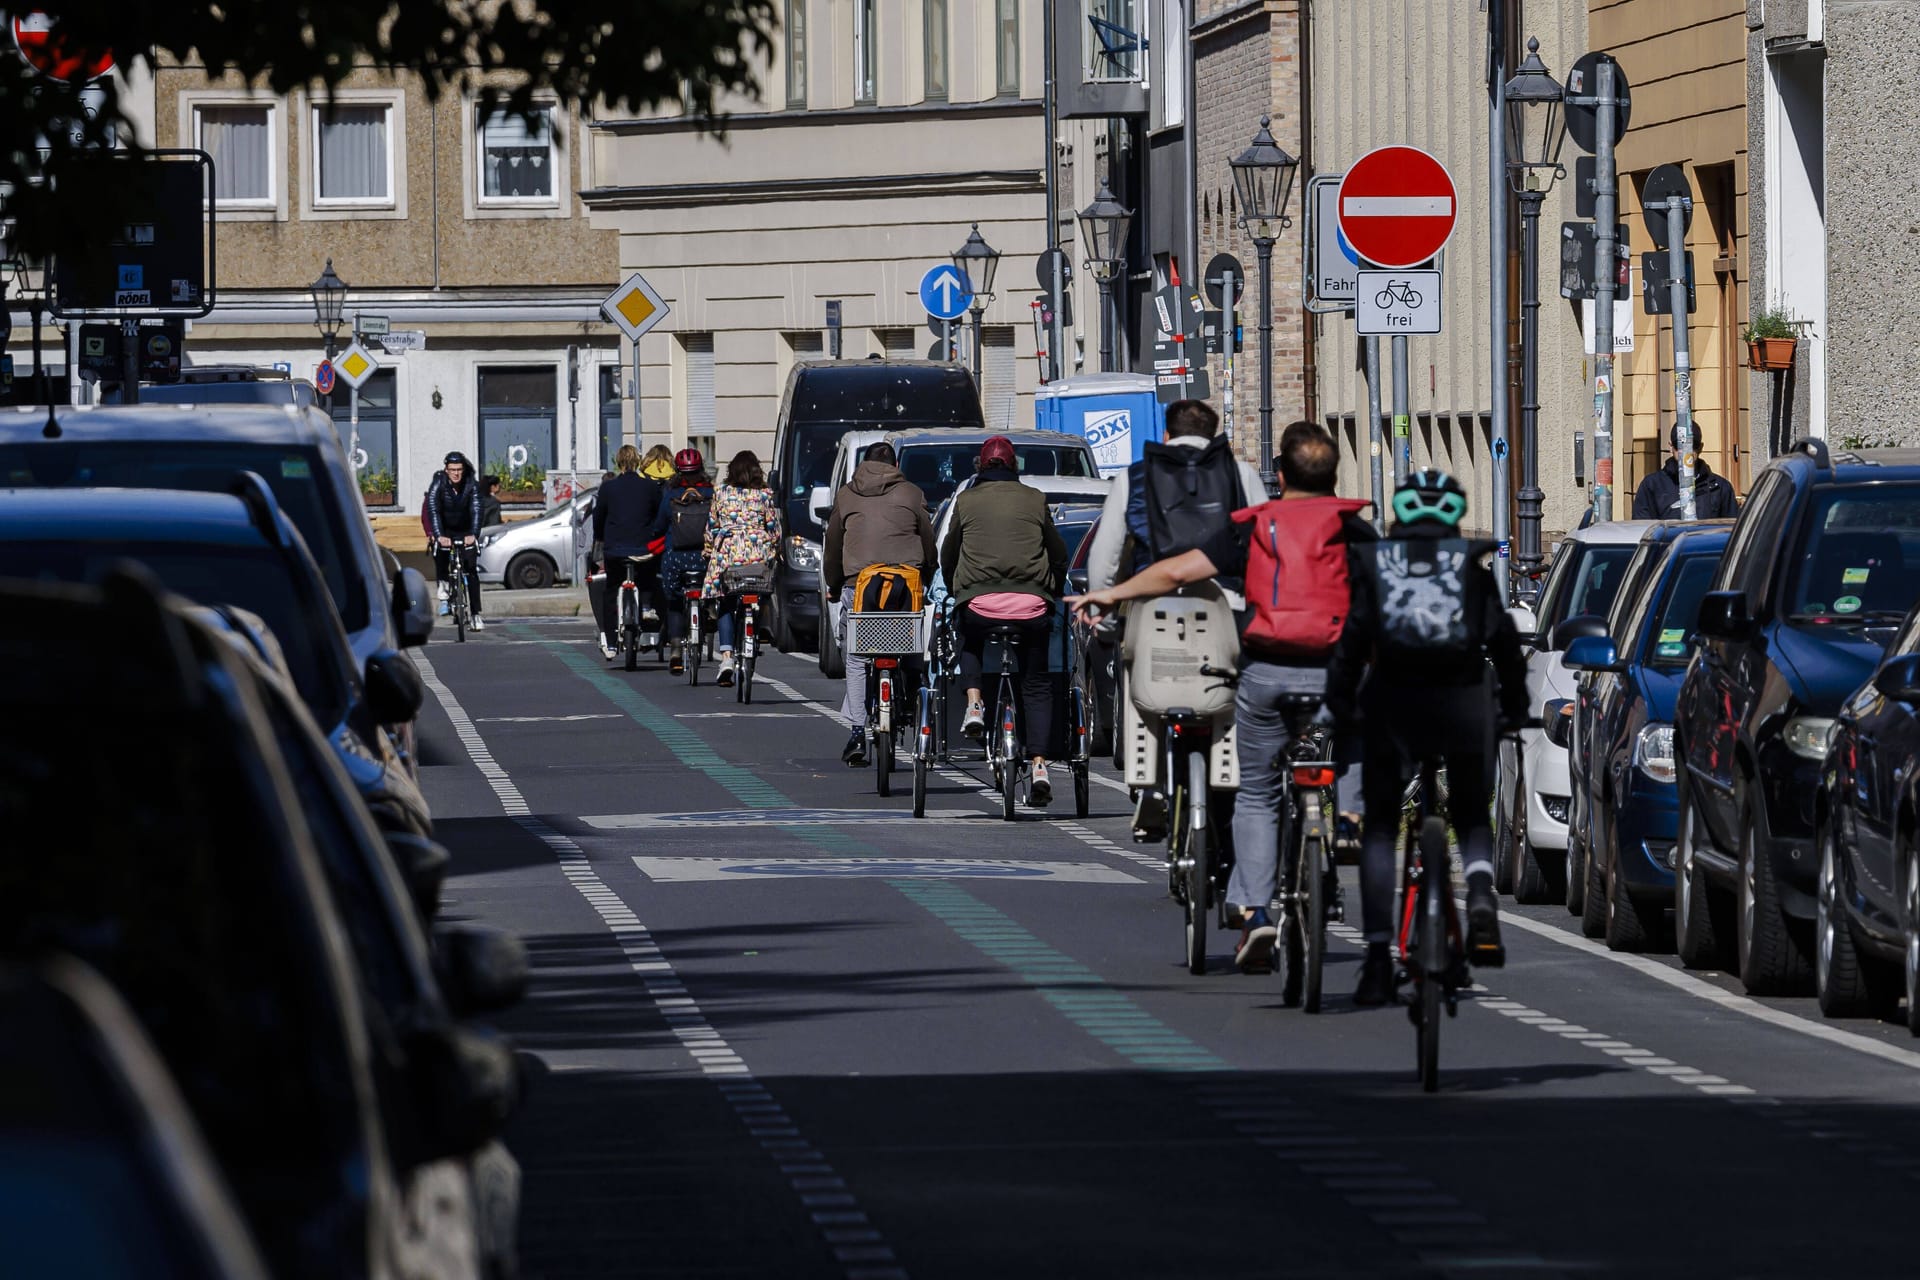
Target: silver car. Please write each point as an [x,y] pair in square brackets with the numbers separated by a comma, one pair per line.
[530,554]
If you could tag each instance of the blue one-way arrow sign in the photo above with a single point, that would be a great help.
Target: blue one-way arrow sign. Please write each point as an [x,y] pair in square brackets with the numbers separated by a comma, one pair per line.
[944,292]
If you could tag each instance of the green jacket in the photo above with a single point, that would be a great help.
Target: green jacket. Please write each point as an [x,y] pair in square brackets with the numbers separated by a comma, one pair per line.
[1002,538]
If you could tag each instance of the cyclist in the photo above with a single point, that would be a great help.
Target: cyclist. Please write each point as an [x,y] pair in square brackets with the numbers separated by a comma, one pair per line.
[1292,552]
[453,509]
[630,514]
[744,528]
[878,518]
[1004,563]
[1425,620]
[689,501]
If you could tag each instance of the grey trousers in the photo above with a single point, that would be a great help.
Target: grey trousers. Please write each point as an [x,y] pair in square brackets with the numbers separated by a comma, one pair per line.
[853,702]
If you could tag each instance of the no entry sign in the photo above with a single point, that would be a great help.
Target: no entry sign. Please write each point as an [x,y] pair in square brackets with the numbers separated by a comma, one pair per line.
[1397,207]
[38,37]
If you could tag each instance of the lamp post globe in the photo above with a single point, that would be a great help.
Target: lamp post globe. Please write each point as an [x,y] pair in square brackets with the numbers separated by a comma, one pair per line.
[976,261]
[1536,129]
[1262,182]
[329,303]
[1103,229]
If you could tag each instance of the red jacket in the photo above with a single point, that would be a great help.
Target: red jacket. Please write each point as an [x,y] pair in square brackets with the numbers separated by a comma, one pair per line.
[1297,582]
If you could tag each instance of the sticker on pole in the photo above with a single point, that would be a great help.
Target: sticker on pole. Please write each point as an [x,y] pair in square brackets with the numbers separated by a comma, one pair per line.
[1397,207]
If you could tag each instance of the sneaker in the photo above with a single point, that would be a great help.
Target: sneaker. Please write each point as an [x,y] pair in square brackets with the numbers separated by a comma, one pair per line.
[1378,982]
[854,754]
[479,623]
[441,590]
[445,609]
[975,723]
[1483,925]
[1150,817]
[1257,936]
[677,665]
[1040,789]
[725,676]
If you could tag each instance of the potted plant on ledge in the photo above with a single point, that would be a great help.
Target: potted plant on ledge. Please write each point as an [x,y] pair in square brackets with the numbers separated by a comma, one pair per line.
[522,485]
[1771,339]
[377,486]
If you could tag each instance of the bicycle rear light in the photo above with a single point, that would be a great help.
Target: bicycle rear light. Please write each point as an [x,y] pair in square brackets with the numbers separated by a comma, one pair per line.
[1313,776]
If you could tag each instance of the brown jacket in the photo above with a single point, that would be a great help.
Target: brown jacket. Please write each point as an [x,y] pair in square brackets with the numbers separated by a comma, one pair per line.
[878,518]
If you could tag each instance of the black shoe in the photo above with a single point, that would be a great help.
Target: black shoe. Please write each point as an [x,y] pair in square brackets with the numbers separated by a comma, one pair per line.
[1377,977]
[1483,926]
[854,754]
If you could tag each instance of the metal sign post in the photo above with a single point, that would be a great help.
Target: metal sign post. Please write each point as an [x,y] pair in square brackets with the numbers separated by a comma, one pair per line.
[634,308]
[1677,209]
[573,420]
[1596,122]
[1225,280]
[1375,446]
[1402,416]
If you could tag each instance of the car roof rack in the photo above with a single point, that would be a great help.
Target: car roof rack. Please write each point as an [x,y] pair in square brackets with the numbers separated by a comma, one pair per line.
[1814,448]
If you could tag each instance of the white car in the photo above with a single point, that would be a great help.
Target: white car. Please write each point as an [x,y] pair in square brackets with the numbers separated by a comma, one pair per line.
[529,554]
[1533,791]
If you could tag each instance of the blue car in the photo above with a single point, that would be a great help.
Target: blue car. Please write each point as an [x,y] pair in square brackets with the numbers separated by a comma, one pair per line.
[1626,775]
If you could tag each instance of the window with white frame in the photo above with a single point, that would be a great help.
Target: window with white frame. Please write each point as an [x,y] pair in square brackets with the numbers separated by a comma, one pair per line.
[1006,47]
[240,140]
[933,15]
[866,52]
[353,153]
[518,157]
[796,38]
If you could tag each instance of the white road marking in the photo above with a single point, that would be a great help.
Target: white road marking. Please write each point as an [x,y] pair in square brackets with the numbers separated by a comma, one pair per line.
[782,817]
[685,870]
[741,715]
[595,715]
[792,694]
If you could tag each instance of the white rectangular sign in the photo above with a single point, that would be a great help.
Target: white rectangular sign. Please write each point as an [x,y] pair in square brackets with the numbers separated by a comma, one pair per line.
[1622,323]
[1335,274]
[1391,303]
[404,340]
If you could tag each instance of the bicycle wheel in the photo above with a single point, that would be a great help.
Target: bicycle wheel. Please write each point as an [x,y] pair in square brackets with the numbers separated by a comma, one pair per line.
[1312,894]
[883,762]
[1199,874]
[1082,790]
[746,678]
[460,612]
[1433,946]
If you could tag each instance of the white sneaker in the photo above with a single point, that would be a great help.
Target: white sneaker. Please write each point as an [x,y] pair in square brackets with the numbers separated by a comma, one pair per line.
[607,650]
[975,723]
[442,592]
[1039,790]
[479,623]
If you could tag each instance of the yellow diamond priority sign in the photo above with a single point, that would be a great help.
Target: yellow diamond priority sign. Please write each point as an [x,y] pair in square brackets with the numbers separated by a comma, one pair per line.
[634,307]
[355,366]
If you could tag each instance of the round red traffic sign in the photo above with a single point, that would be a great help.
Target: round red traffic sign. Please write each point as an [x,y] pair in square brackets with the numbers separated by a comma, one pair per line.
[323,378]
[1397,207]
[38,37]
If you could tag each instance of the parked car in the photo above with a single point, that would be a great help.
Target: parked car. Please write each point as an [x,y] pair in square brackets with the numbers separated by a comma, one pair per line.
[823,400]
[1822,567]
[155,832]
[1622,769]
[108,1176]
[530,554]
[1533,795]
[230,384]
[1867,896]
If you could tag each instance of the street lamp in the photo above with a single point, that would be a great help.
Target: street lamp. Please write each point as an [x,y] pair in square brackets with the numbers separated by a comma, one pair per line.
[1263,181]
[976,260]
[1535,132]
[1103,227]
[329,303]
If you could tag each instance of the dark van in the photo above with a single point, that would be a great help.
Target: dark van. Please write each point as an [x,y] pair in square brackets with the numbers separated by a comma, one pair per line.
[824,400]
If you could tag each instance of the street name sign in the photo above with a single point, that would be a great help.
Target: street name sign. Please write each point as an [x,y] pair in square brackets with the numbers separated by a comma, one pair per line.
[404,340]
[1391,303]
[1397,207]
[371,326]
[634,307]
[355,365]
[944,292]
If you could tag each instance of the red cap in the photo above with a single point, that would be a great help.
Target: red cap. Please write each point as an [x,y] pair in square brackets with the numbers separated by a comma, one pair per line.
[997,451]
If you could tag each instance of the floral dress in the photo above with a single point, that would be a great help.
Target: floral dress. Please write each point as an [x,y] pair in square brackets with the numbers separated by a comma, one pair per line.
[743,528]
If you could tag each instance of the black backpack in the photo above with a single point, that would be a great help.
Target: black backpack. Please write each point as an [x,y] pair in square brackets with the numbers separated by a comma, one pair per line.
[690,509]
[1191,494]
[1424,590]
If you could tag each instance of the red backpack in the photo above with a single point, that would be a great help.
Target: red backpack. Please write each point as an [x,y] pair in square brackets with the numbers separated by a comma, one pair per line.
[1297,584]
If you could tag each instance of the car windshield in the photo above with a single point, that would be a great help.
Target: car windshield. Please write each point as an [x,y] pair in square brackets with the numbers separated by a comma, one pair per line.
[273,391]
[814,447]
[1860,554]
[296,474]
[250,578]
[1591,582]
[938,469]
[1673,638]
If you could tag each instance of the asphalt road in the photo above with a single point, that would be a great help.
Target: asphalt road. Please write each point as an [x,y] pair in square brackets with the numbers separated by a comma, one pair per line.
[772,1041]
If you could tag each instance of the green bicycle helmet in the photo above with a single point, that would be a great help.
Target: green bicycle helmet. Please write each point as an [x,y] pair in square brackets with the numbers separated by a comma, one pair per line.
[1430,494]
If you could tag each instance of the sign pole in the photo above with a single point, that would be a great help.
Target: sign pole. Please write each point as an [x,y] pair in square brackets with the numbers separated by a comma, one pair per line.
[1682,351]
[1606,200]
[1229,315]
[1402,419]
[1375,446]
[130,362]
[573,420]
[1497,295]
[633,436]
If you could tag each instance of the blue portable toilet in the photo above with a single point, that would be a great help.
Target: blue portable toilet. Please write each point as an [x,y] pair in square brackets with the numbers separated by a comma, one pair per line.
[1116,412]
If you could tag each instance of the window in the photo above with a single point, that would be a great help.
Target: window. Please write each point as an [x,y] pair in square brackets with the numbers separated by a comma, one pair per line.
[797,53]
[517,157]
[897,344]
[240,140]
[866,52]
[353,155]
[934,20]
[1006,47]
[697,350]
[373,455]
[519,423]
[609,413]
[997,376]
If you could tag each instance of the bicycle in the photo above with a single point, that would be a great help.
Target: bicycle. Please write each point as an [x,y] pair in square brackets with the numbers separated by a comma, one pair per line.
[633,637]
[745,585]
[697,640]
[930,737]
[1401,291]
[459,603]
[892,640]
[1003,730]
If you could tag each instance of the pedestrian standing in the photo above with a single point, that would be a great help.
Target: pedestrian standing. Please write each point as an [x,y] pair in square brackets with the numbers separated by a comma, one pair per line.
[1658,497]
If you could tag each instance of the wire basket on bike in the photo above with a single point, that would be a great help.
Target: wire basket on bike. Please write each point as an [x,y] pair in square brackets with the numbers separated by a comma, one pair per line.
[747,579]
[886,634]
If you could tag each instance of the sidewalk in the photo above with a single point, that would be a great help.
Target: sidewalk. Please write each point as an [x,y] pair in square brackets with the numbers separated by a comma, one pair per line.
[552,602]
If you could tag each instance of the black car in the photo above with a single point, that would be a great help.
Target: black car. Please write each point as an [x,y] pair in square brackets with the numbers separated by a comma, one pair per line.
[1820,570]
[823,400]
[1867,904]
[155,832]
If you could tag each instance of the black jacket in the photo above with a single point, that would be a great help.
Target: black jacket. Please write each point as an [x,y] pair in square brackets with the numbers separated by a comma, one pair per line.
[1658,497]
[454,509]
[490,512]
[629,512]
[1397,690]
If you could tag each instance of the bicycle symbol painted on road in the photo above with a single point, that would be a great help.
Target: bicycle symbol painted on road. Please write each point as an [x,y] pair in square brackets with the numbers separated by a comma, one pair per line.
[1401,292]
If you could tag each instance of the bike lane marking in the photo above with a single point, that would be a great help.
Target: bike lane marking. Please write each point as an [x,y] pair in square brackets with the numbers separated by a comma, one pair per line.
[834,1210]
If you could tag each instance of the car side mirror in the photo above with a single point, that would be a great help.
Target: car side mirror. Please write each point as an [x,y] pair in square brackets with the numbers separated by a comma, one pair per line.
[1592,653]
[465,1083]
[412,608]
[423,865]
[820,502]
[482,970]
[394,690]
[1558,722]
[1899,678]
[1584,624]
[1526,622]
[1724,615]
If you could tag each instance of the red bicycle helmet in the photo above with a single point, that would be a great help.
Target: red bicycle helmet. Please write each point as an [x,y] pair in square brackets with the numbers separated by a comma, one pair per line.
[996,451]
[688,460]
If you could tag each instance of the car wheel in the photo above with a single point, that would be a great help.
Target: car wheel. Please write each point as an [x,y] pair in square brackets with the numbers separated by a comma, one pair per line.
[529,571]
[1842,978]
[1696,932]
[1622,927]
[1593,896]
[1503,858]
[1576,875]
[1910,936]
[833,663]
[1771,961]
[1530,883]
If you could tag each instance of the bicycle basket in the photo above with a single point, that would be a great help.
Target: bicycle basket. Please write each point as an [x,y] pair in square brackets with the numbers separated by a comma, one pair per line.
[1180,652]
[747,577]
[882,634]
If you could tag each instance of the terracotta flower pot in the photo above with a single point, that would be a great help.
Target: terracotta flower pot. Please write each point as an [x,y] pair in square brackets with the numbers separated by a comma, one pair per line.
[521,498]
[376,499]
[1771,354]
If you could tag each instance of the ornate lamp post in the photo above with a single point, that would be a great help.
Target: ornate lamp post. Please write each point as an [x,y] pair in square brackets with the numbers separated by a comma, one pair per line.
[1263,181]
[976,260]
[1103,229]
[329,303]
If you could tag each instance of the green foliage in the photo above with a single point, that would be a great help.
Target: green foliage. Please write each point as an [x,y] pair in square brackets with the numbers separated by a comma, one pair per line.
[1774,322]
[516,479]
[377,480]
[1881,437]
